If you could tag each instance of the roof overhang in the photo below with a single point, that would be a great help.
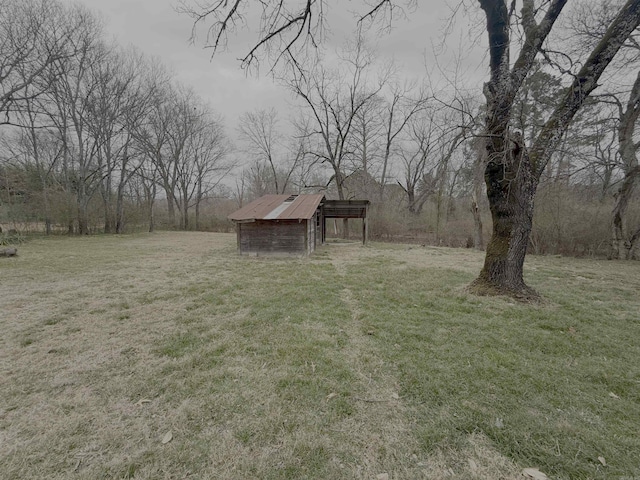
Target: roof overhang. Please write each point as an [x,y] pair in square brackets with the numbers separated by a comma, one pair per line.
[279,207]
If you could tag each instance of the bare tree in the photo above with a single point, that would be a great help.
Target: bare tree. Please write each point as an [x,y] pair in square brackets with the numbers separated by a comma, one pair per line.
[403,103]
[179,169]
[117,105]
[34,36]
[146,180]
[153,136]
[72,94]
[40,151]
[418,160]
[208,151]
[427,150]
[368,127]
[259,130]
[513,169]
[186,144]
[589,23]
[333,98]
[625,241]
[265,143]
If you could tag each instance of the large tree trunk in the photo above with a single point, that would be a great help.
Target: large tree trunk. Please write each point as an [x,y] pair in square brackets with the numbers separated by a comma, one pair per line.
[105,190]
[150,196]
[120,209]
[634,246]
[47,208]
[621,241]
[124,178]
[199,196]
[171,208]
[109,223]
[83,210]
[411,199]
[185,216]
[339,178]
[478,236]
[513,171]
[511,186]
[621,244]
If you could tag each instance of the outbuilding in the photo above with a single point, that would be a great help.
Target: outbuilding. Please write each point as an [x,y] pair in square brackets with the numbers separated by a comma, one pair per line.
[280,225]
[291,224]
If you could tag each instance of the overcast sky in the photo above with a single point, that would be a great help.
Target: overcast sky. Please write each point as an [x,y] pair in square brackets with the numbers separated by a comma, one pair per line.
[156,29]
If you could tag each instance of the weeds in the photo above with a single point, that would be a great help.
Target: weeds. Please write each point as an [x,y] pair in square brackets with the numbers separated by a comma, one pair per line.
[12,238]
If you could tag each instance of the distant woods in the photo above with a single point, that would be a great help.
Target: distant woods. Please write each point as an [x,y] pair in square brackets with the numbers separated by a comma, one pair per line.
[95,138]
[92,135]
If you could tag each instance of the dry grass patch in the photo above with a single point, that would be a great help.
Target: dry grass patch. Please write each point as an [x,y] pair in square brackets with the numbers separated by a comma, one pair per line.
[350,364]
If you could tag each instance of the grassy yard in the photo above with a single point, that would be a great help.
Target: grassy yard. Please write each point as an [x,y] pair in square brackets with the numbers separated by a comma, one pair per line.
[168,356]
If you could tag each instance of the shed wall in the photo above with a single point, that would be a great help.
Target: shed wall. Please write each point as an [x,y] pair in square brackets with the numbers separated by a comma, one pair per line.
[274,237]
[311,234]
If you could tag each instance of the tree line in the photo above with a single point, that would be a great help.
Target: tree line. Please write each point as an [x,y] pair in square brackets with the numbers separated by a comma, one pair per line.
[91,132]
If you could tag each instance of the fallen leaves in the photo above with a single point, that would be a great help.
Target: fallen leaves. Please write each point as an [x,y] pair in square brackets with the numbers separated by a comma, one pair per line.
[602,461]
[534,473]
[613,395]
[167,437]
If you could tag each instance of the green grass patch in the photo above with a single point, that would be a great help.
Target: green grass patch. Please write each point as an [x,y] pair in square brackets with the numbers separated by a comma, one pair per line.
[349,364]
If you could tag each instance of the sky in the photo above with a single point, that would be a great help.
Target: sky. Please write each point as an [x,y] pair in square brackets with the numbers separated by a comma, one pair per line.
[154,27]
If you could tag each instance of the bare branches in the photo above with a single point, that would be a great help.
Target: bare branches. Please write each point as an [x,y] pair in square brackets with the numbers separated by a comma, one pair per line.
[286,29]
[585,82]
[35,35]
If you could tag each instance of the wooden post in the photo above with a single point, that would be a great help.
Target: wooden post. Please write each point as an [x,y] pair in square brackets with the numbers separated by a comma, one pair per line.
[306,237]
[365,225]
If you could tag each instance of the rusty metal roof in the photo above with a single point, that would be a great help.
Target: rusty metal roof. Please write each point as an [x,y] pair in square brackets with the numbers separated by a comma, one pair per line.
[279,207]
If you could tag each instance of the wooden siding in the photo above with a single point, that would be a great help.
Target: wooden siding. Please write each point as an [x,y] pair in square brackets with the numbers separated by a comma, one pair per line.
[311,234]
[274,237]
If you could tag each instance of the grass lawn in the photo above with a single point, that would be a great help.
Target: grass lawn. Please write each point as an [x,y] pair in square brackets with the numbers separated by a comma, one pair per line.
[168,356]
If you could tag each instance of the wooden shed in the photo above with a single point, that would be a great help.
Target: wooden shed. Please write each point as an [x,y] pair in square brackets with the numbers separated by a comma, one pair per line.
[280,225]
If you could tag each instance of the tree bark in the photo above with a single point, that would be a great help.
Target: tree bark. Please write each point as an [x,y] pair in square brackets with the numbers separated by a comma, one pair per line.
[171,209]
[83,210]
[478,239]
[513,171]
[621,244]
[150,195]
[621,241]
[185,215]
[478,175]
[511,193]
[120,209]
[634,246]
